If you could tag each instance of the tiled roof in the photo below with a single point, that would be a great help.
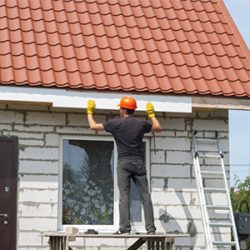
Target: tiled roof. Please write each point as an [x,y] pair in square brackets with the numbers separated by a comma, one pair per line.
[164,46]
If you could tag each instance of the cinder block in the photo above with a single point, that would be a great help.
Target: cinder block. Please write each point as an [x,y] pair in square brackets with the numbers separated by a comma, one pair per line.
[181,183]
[198,241]
[38,224]
[170,198]
[74,130]
[166,143]
[172,123]
[219,113]
[46,118]
[179,157]
[38,181]
[79,119]
[206,125]
[33,128]
[3,106]
[26,239]
[185,134]
[158,184]
[38,167]
[33,209]
[30,142]
[38,195]
[163,133]
[7,127]
[157,156]
[24,135]
[175,225]
[167,170]
[184,212]
[52,140]
[25,107]
[8,117]
[39,153]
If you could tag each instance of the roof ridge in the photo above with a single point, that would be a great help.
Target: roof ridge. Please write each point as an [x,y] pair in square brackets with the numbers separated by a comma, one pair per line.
[235,29]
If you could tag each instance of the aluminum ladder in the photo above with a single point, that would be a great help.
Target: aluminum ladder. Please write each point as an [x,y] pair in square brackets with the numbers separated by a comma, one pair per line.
[213,191]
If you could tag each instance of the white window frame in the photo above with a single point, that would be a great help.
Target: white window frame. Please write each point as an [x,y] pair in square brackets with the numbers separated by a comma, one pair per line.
[136,226]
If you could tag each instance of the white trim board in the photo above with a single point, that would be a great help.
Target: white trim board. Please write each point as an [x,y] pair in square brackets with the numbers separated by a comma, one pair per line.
[203,102]
[61,98]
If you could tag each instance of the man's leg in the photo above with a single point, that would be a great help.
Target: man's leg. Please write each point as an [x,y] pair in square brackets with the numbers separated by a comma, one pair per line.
[141,182]
[124,188]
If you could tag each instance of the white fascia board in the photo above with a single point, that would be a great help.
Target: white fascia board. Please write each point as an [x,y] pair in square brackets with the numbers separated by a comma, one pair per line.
[61,98]
[213,102]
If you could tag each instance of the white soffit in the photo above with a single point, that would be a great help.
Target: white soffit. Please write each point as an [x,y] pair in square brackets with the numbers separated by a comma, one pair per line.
[61,98]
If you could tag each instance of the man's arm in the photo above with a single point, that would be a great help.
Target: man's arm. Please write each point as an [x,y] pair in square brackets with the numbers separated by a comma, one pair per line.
[90,111]
[93,124]
[156,126]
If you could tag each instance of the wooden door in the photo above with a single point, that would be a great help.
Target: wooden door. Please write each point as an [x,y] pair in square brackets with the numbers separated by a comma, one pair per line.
[8,192]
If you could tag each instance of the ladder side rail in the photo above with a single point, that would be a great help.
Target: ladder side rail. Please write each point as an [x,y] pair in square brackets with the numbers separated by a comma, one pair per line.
[230,204]
[203,205]
[201,197]
[220,150]
[201,192]
[235,234]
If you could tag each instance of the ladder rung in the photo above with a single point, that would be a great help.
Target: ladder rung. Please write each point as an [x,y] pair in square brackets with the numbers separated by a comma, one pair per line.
[225,243]
[212,156]
[220,224]
[215,190]
[204,139]
[218,207]
[212,172]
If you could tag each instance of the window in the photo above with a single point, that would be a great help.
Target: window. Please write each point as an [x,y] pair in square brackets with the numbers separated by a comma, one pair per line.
[89,197]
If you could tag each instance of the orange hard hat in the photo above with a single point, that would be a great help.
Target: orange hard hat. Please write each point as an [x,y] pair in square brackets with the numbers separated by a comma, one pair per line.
[128,102]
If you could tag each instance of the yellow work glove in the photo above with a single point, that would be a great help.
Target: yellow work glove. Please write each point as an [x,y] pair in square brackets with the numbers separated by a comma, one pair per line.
[150,110]
[91,107]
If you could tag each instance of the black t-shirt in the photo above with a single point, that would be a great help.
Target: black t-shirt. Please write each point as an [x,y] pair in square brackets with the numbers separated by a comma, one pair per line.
[128,133]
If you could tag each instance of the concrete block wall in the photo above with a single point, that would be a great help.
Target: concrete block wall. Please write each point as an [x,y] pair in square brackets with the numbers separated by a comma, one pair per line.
[172,182]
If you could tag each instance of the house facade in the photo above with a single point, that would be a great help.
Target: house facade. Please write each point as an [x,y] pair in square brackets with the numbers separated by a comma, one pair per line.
[186,57]
[44,137]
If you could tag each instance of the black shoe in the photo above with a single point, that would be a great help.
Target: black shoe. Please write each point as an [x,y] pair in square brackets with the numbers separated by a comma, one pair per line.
[151,233]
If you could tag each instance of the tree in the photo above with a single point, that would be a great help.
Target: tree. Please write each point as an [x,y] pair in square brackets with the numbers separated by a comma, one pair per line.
[240,197]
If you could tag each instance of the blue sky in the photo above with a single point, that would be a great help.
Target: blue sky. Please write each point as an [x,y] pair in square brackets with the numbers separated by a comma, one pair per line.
[239,121]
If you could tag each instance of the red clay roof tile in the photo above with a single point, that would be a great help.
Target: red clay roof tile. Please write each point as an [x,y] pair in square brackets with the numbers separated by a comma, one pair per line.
[189,47]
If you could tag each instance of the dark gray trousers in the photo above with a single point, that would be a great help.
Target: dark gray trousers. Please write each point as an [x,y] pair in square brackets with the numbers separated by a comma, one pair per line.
[127,169]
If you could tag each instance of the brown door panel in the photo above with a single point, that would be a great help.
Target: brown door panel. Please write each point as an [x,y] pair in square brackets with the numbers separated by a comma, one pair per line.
[8,191]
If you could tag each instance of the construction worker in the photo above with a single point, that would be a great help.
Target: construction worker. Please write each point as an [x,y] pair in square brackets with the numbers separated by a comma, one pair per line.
[128,133]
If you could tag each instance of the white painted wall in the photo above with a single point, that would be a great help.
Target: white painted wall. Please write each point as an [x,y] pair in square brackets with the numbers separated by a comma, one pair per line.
[172,176]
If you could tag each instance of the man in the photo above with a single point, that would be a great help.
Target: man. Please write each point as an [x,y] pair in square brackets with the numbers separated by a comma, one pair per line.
[128,133]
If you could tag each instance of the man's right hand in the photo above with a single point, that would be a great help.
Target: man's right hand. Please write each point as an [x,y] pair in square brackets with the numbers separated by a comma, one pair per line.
[91,107]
